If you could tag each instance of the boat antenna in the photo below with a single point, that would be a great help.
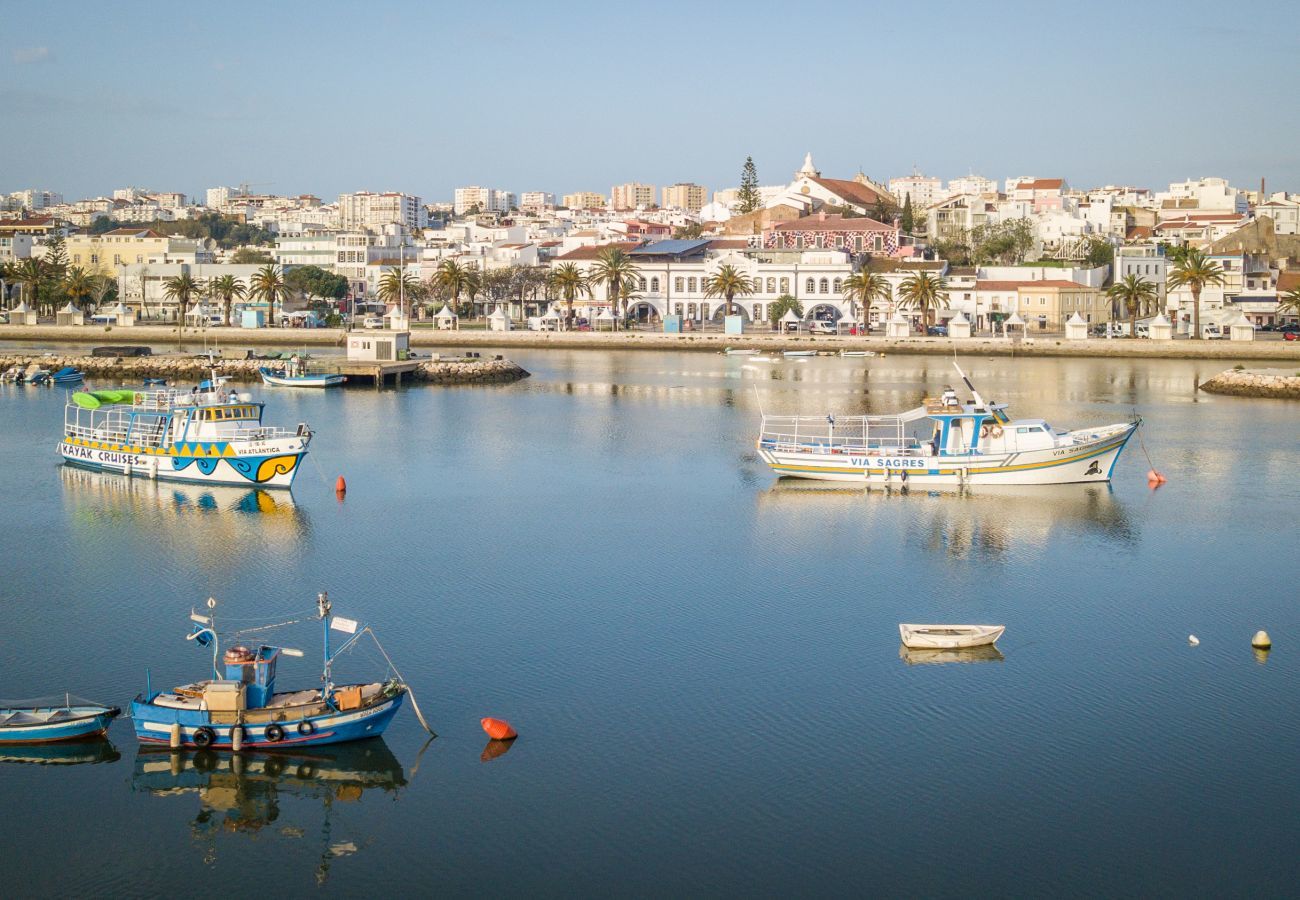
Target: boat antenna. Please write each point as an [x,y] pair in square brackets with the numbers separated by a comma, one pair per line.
[974,393]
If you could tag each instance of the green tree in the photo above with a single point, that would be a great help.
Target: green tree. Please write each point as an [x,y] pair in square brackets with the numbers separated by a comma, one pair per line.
[781,305]
[748,198]
[885,209]
[613,268]
[454,279]
[728,282]
[907,221]
[569,282]
[315,283]
[396,286]
[1290,302]
[180,288]
[1194,271]
[28,275]
[1132,294]
[56,257]
[864,287]
[925,293]
[226,288]
[267,284]
[1098,252]
[689,232]
[78,284]
[249,256]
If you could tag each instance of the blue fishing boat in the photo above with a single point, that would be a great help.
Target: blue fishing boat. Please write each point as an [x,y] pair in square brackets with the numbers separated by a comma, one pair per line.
[154,382]
[241,707]
[47,721]
[286,378]
[67,375]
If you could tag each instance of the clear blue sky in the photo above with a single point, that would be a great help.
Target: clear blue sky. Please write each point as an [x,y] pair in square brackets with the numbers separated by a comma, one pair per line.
[326,97]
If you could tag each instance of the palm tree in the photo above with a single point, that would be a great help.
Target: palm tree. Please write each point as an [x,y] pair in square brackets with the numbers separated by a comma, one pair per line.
[727,282]
[227,288]
[613,268]
[268,284]
[78,284]
[925,293]
[1132,294]
[1290,301]
[453,278]
[29,274]
[569,281]
[395,285]
[180,288]
[864,287]
[1194,270]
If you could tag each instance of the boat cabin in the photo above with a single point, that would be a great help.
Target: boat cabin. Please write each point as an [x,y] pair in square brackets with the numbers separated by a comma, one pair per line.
[161,419]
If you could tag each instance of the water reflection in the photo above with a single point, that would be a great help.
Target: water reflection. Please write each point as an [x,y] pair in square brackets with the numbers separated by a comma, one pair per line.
[271,794]
[914,657]
[65,753]
[495,750]
[984,522]
[229,515]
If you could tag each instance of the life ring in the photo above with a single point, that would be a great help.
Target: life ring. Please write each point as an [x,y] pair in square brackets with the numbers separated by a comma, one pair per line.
[274,733]
[996,431]
[984,431]
[204,737]
[306,727]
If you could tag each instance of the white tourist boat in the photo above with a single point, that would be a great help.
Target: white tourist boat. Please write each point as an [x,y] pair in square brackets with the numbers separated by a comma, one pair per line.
[944,441]
[212,436]
[949,637]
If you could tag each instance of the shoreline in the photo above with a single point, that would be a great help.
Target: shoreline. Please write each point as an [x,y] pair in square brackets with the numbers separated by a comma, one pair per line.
[1048,346]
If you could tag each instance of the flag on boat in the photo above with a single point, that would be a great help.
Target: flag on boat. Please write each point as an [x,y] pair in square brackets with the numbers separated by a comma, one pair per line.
[342,624]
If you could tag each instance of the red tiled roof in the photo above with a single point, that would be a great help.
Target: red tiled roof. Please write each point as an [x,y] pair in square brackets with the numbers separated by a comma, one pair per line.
[1288,281]
[729,244]
[822,222]
[852,191]
[134,232]
[1041,184]
[1040,283]
[593,252]
[1138,232]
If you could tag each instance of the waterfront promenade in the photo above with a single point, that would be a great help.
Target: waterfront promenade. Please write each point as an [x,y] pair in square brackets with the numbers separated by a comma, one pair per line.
[1041,345]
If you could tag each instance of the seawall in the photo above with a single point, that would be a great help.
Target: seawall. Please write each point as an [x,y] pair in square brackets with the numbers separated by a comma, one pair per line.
[1281,384]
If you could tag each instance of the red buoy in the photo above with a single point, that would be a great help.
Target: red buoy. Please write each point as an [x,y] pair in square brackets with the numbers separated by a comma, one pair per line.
[498,729]
[1154,478]
[340,486]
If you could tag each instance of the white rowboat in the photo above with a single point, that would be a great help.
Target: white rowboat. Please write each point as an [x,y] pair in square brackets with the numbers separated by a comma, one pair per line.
[949,637]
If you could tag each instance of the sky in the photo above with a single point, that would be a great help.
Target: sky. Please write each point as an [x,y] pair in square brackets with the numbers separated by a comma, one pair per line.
[421,97]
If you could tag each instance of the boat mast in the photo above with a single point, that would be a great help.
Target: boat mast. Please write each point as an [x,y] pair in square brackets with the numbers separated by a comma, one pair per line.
[323,607]
[974,393]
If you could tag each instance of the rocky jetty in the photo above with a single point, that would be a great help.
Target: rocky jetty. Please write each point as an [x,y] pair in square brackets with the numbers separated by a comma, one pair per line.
[1282,384]
[132,370]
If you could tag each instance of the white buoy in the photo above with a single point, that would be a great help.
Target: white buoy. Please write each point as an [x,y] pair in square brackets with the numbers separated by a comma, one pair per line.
[1261,640]
[1193,640]
[174,739]
[237,738]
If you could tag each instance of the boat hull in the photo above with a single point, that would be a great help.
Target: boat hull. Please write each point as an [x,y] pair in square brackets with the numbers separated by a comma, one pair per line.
[949,637]
[1091,461]
[301,381]
[79,729]
[269,464]
[153,725]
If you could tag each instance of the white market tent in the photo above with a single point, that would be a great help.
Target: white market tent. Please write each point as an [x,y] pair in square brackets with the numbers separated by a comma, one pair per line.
[790,322]
[70,315]
[1076,328]
[498,320]
[446,319]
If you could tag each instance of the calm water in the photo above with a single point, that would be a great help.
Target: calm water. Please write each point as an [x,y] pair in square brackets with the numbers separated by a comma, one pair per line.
[703,664]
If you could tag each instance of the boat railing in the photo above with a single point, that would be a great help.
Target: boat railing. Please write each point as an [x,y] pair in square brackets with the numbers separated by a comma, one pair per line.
[837,434]
[114,425]
[234,431]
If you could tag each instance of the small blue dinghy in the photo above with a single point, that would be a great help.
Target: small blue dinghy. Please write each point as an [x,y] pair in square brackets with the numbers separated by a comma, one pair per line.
[46,721]
[67,375]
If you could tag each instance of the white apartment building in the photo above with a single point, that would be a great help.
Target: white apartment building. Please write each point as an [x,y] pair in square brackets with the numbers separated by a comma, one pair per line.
[374,211]
[685,195]
[924,190]
[360,256]
[1202,195]
[969,184]
[317,248]
[33,199]
[15,247]
[486,199]
[1146,261]
[632,195]
[1284,210]
[536,201]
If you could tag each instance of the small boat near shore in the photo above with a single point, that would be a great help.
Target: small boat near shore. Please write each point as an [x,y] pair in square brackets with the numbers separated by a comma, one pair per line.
[67,375]
[739,351]
[797,354]
[282,378]
[944,441]
[48,721]
[856,354]
[949,637]
[240,706]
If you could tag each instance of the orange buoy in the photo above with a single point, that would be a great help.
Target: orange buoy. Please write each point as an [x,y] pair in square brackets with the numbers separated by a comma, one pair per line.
[498,729]
[340,486]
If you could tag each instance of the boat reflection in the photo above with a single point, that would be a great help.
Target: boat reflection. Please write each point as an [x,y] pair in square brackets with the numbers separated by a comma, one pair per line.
[914,657]
[64,753]
[231,518]
[986,521]
[249,793]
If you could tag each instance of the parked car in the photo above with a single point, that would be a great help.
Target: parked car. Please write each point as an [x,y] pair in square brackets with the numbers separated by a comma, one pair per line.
[818,326]
[372,322]
[1289,329]
[937,330]
[1291,335]
[1143,330]
[1212,332]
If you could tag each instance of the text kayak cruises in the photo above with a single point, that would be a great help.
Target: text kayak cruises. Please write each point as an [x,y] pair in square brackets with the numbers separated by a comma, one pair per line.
[240,707]
[944,441]
[209,436]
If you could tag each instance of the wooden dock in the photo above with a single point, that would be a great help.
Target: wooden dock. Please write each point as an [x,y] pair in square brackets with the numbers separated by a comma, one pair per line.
[381,372]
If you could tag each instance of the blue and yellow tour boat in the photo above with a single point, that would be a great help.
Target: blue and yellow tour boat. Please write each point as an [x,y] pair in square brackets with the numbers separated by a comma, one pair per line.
[945,441]
[241,707]
[208,435]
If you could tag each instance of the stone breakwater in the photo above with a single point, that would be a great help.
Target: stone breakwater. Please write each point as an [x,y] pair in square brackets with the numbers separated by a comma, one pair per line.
[1276,383]
[132,370]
